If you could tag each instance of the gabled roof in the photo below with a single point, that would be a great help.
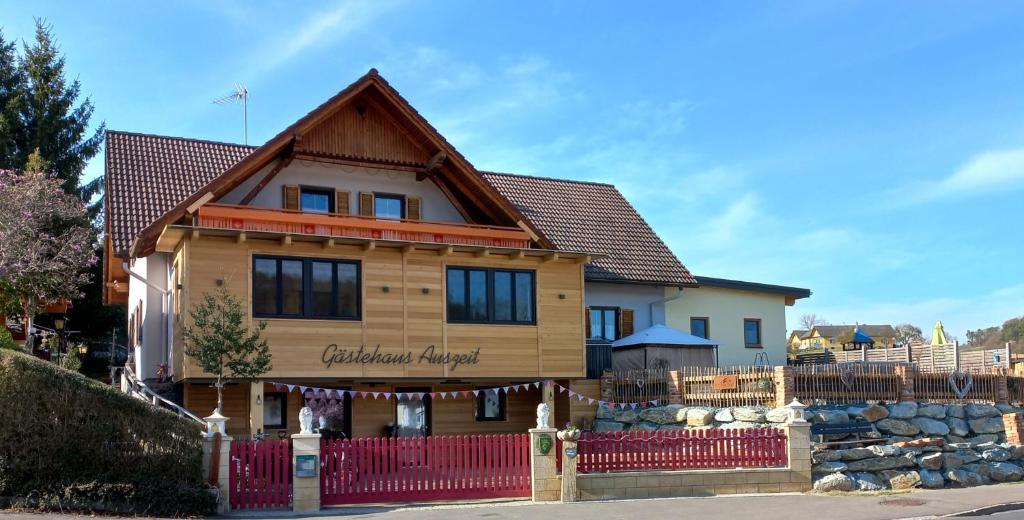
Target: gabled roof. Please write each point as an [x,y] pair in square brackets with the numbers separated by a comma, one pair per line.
[590,216]
[148,175]
[799,333]
[875,331]
[469,181]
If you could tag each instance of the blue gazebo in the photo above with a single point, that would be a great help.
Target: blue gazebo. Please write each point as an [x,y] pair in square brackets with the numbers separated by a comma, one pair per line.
[859,340]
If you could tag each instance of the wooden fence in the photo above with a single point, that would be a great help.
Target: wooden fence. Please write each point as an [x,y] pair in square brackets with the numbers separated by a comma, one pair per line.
[929,358]
[684,449]
[729,386]
[959,387]
[847,383]
[640,385]
[260,474]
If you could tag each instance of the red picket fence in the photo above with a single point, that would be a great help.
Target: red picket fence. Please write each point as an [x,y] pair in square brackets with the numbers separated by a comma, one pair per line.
[260,474]
[424,468]
[684,449]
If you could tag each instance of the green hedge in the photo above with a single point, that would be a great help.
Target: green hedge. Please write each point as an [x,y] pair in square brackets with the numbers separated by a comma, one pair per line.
[67,441]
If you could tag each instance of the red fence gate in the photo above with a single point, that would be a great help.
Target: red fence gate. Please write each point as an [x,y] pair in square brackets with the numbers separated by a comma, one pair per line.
[685,449]
[424,468]
[260,474]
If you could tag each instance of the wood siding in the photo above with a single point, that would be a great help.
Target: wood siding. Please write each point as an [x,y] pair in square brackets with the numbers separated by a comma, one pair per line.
[406,317]
[362,131]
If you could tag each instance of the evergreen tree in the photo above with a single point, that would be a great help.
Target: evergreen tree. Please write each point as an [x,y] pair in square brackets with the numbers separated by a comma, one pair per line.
[12,94]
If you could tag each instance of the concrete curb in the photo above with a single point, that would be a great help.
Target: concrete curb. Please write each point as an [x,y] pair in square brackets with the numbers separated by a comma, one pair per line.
[989,510]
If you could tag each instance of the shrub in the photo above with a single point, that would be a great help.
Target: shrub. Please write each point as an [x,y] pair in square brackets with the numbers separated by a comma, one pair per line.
[6,339]
[67,441]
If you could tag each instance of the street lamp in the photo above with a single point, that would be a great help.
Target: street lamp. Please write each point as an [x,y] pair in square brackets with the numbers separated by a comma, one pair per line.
[58,323]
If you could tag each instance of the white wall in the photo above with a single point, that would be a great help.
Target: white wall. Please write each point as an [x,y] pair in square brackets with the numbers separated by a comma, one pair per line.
[153,349]
[726,309]
[631,296]
[436,206]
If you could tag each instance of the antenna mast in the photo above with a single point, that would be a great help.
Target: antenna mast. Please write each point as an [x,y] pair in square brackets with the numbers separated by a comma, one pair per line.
[239,95]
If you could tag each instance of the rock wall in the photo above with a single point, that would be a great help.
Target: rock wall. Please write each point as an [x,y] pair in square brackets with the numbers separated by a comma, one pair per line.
[927,445]
[677,417]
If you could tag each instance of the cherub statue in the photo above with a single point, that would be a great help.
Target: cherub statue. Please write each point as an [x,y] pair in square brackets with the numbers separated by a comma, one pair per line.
[305,420]
[543,416]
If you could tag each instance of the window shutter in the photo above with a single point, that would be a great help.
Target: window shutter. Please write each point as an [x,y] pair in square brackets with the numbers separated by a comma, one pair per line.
[341,203]
[366,204]
[291,197]
[414,208]
[586,331]
[625,322]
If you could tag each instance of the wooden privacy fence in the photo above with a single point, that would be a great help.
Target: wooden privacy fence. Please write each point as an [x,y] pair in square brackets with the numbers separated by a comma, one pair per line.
[684,449]
[957,386]
[424,468]
[872,355]
[260,474]
[847,383]
[729,386]
[640,385]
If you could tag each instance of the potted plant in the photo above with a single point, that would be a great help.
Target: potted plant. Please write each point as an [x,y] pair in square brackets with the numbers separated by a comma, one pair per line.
[570,433]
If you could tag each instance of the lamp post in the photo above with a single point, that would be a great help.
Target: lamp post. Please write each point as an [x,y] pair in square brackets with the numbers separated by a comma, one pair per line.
[58,324]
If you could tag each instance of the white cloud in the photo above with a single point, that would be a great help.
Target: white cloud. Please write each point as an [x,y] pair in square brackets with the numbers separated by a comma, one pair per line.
[986,172]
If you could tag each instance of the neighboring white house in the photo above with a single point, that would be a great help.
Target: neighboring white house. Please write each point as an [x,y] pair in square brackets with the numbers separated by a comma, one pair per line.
[745,318]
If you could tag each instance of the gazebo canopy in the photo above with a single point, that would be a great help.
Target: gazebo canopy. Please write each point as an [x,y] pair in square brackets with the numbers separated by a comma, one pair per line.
[860,337]
[663,336]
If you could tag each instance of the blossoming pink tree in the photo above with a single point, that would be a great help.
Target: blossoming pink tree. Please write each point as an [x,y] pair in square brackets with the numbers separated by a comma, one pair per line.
[45,239]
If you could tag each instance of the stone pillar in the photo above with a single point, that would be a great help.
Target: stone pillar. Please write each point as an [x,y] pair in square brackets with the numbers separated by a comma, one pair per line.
[907,374]
[798,447]
[305,489]
[569,493]
[675,387]
[1013,423]
[1002,388]
[785,387]
[543,470]
[255,407]
[608,386]
[216,465]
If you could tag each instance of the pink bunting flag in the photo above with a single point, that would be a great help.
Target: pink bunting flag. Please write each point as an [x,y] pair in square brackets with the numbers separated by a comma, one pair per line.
[466,393]
[375,395]
[590,400]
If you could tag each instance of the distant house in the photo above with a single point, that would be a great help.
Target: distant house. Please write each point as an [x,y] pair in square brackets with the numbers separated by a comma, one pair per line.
[831,336]
[796,339]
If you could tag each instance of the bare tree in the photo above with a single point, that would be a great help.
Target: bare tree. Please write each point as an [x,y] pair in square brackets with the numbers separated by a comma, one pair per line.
[809,321]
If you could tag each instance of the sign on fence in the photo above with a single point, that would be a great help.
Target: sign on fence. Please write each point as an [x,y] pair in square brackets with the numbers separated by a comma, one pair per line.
[728,382]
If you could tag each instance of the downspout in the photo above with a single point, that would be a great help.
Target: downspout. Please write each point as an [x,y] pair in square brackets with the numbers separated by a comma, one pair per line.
[663,301]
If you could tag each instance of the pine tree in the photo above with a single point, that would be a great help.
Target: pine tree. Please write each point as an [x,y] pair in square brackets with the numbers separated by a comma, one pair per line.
[12,94]
[49,120]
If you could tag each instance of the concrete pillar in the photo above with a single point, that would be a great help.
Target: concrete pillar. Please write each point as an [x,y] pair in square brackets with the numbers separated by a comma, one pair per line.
[785,387]
[543,469]
[305,488]
[798,449]
[255,407]
[569,453]
[216,460]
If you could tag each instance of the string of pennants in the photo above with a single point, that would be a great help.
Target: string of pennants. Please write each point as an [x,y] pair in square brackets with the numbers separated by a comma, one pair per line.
[454,394]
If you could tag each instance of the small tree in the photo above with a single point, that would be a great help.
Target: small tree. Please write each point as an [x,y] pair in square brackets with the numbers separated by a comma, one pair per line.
[221,344]
[905,333]
[809,321]
[45,240]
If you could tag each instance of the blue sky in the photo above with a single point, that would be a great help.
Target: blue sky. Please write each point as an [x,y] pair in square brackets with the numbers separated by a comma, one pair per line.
[870,151]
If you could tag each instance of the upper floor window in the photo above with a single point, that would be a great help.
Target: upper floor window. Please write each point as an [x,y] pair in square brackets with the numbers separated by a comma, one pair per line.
[388,206]
[319,200]
[752,332]
[604,323]
[305,288]
[699,327]
[490,295]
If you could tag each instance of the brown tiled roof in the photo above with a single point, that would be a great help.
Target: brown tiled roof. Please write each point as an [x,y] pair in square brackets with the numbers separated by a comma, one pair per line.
[147,175]
[594,217]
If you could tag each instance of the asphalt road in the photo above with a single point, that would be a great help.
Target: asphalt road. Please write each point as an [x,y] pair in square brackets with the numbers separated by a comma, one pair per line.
[919,504]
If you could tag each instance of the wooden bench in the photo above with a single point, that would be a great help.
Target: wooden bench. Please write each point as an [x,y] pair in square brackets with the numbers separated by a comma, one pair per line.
[856,428]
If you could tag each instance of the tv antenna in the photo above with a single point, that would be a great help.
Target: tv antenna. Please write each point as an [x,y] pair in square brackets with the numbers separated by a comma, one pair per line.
[239,95]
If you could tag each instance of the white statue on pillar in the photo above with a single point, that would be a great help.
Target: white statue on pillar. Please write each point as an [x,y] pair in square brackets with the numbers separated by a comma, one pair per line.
[543,416]
[306,420]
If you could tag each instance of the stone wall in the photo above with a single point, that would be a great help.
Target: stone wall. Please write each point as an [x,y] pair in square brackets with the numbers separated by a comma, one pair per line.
[663,484]
[926,445]
[677,417]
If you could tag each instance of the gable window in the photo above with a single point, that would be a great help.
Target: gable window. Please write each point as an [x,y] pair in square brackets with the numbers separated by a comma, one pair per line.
[604,323]
[275,411]
[305,288]
[317,200]
[752,332]
[699,327]
[490,295]
[388,206]
[490,405]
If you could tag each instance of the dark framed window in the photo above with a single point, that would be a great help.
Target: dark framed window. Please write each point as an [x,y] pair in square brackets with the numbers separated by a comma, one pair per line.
[275,411]
[284,287]
[388,206]
[491,295]
[318,200]
[490,405]
[413,416]
[699,327]
[604,323]
[752,332]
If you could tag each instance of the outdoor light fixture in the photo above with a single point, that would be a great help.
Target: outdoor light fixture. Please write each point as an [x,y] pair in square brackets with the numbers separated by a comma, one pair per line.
[83,349]
[426,290]
[385,289]
[58,323]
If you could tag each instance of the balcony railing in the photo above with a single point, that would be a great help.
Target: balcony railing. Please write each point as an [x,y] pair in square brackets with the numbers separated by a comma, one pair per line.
[248,218]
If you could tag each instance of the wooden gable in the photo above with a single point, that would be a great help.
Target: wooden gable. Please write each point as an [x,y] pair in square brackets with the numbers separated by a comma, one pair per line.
[362,131]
